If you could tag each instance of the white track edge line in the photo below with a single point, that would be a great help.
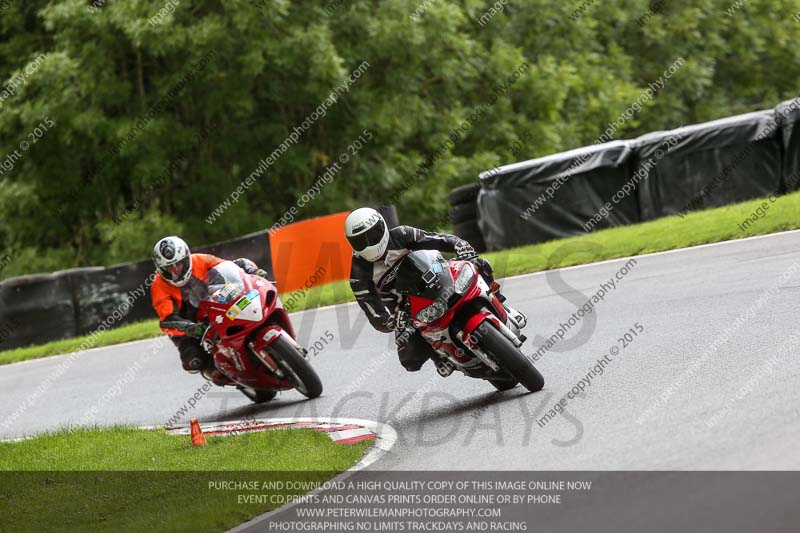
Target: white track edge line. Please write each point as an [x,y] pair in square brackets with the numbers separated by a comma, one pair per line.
[653,254]
[385,440]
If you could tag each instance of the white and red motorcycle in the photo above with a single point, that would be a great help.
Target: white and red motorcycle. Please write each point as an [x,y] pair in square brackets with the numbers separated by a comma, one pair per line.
[459,314]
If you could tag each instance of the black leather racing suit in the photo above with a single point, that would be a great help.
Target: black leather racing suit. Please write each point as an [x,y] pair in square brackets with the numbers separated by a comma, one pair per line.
[383,309]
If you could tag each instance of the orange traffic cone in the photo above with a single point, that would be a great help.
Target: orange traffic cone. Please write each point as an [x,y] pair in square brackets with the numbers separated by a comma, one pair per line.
[198,439]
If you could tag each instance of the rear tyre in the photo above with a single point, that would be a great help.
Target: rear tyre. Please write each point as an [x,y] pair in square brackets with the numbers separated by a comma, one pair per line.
[509,357]
[503,384]
[258,396]
[298,370]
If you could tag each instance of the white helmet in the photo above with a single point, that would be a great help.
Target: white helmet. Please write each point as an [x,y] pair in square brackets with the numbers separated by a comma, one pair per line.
[367,233]
[173,260]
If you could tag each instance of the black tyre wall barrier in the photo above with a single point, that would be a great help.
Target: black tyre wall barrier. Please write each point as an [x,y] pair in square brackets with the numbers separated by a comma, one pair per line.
[118,295]
[43,308]
[709,165]
[389,214]
[254,246]
[464,194]
[663,173]
[788,115]
[34,309]
[555,196]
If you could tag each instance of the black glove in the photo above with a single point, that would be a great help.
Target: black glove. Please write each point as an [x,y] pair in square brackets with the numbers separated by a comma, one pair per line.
[192,329]
[197,330]
[250,267]
[465,251]
[390,322]
[484,267]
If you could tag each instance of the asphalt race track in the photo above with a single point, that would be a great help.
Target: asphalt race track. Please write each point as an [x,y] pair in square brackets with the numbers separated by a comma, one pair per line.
[729,308]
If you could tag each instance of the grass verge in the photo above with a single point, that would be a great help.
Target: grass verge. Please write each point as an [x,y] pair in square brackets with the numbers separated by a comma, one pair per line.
[670,233]
[126,479]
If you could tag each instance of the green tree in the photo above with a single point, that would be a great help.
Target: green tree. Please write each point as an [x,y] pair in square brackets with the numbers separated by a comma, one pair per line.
[157,120]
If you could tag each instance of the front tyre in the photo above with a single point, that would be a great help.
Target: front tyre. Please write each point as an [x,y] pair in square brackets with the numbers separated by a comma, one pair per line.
[298,370]
[503,385]
[258,396]
[509,357]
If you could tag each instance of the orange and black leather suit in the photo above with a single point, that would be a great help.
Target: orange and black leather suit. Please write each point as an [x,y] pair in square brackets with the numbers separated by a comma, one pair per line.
[177,308]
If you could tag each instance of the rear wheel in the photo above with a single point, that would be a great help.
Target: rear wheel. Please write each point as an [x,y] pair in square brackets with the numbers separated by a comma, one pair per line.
[299,371]
[509,357]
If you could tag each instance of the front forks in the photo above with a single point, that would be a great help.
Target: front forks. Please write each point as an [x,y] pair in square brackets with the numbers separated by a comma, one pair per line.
[506,331]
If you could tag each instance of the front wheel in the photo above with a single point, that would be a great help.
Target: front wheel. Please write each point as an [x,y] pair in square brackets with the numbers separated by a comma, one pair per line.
[509,357]
[298,370]
[503,385]
[256,395]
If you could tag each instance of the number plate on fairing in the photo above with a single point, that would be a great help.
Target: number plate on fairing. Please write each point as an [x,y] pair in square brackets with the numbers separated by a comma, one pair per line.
[248,307]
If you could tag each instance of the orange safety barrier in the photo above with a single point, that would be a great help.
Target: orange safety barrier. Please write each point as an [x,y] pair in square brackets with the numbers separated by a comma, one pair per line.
[310,253]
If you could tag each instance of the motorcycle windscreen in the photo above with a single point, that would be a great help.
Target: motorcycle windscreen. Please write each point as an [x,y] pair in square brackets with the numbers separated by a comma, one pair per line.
[225,283]
[424,273]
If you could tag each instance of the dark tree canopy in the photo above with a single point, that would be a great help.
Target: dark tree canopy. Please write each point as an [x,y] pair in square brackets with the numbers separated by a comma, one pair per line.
[158,116]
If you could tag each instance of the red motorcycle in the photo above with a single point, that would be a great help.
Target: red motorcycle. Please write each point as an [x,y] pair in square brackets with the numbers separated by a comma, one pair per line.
[459,314]
[251,337]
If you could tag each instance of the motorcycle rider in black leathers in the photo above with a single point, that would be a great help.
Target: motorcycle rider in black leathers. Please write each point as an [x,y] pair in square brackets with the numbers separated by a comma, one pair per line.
[375,250]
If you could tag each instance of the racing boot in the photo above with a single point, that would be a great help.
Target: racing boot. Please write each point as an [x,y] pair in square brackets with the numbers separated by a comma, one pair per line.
[516,317]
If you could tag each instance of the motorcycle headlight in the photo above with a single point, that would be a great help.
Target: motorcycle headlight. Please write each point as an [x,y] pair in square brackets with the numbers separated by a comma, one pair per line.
[465,278]
[432,313]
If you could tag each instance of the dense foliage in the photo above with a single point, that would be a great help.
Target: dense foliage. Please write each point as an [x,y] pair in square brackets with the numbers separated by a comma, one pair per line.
[160,109]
